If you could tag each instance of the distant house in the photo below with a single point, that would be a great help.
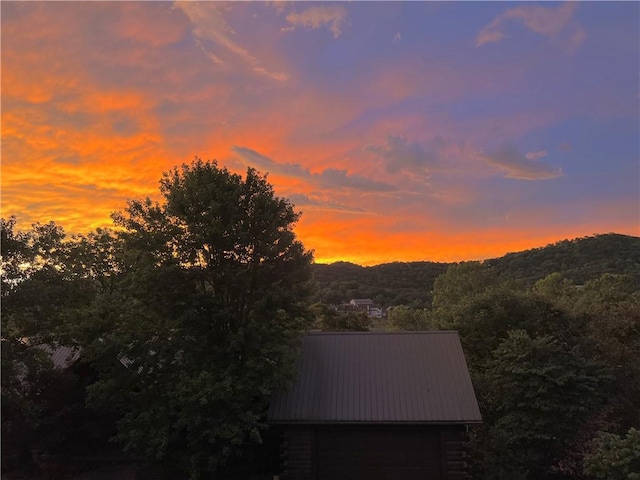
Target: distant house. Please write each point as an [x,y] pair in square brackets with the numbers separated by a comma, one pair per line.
[376,406]
[362,303]
[62,356]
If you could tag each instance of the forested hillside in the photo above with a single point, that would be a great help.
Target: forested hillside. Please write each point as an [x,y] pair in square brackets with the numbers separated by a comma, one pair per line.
[579,260]
[389,284]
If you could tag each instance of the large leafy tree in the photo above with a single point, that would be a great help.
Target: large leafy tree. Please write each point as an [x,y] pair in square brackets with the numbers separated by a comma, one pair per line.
[540,385]
[537,396]
[204,314]
[609,309]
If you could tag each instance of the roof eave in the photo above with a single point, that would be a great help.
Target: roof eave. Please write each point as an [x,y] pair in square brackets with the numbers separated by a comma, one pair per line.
[371,422]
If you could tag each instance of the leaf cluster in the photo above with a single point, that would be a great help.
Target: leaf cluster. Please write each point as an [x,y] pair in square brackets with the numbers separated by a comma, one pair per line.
[616,457]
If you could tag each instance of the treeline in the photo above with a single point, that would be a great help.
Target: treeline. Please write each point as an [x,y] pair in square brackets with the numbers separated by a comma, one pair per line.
[555,366]
[389,284]
[579,260]
[411,283]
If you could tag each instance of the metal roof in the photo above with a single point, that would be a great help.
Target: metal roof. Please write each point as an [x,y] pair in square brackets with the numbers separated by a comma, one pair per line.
[379,377]
[61,356]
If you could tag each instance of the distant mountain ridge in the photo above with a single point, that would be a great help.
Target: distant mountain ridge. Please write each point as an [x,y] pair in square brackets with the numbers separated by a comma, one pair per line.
[410,283]
[580,259]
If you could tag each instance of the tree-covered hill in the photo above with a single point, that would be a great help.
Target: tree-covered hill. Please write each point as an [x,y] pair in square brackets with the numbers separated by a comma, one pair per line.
[388,284]
[580,260]
[410,283]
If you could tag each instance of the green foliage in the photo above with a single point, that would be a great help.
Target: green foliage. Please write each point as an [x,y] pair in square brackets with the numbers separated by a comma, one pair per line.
[536,393]
[204,307]
[579,260]
[409,319]
[485,319]
[330,320]
[38,292]
[615,457]
[611,306]
[556,289]
[31,291]
[609,309]
[462,281]
[387,285]
[543,376]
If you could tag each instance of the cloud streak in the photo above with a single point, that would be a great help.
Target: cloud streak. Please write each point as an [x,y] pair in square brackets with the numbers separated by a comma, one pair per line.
[313,202]
[522,167]
[333,17]
[330,178]
[214,37]
[398,155]
[545,21]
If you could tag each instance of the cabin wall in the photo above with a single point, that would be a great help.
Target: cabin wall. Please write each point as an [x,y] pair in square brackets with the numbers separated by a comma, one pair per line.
[456,460]
[298,453]
[376,452]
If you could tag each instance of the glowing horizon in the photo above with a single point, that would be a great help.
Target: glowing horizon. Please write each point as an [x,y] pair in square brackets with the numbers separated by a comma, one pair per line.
[403,131]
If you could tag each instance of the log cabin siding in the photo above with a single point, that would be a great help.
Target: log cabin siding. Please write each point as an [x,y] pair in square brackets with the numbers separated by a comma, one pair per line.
[298,453]
[374,452]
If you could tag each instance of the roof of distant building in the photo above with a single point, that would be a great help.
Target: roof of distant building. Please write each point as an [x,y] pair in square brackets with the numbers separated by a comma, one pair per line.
[61,356]
[361,301]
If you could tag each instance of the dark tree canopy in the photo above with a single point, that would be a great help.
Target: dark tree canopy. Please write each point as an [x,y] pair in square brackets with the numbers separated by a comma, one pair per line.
[580,259]
[552,365]
[205,315]
[406,283]
[41,405]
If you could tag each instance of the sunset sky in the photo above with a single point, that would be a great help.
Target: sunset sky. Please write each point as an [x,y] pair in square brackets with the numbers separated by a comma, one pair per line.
[402,130]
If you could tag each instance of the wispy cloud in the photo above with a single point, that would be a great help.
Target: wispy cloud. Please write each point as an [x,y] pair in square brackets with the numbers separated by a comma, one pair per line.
[313,202]
[328,178]
[215,36]
[398,155]
[523,167]
[536,155]
[279,5]
[334,17]
[546,21]
[332,177]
